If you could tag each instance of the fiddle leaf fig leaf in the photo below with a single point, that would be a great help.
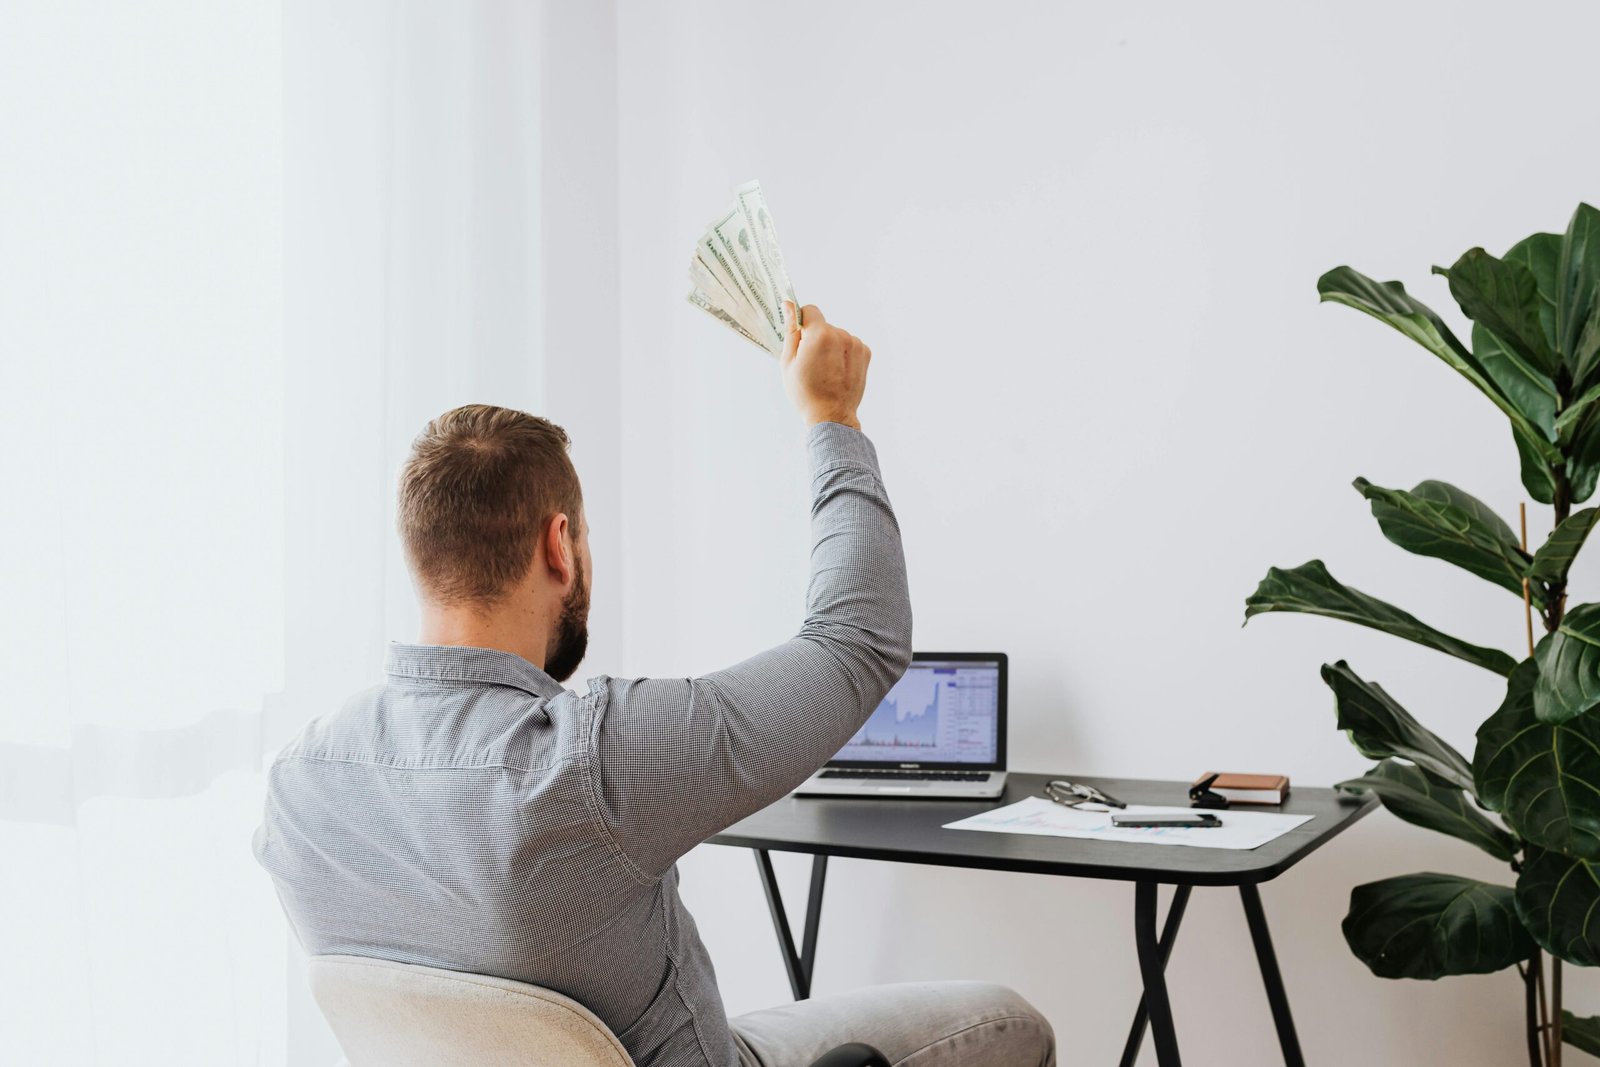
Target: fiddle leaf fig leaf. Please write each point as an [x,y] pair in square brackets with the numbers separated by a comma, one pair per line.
[1541,254]
[1434,925]
[1503,296]
[1537,477]
[1534,394]
[1424,799]
[1583,470]
[1581,1032]
[1390,303]
[1569,666]
[1578,434]
[1380,728]
[1577,282]
[1310,589]
[1544,778]
[1439,520]
[1555,556]
[1589,341]
[1576,414]
[1558,899]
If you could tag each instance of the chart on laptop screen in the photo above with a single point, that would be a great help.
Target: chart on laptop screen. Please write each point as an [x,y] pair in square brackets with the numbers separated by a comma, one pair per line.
[940,712]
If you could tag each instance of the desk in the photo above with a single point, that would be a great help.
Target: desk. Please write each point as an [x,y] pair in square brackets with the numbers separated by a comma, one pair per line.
[911,831]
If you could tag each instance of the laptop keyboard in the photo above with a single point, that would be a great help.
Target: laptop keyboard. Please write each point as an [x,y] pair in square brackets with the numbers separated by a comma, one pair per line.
[910,776]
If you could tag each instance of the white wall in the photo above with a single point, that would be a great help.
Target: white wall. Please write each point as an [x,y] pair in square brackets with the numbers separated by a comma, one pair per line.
[1083,241]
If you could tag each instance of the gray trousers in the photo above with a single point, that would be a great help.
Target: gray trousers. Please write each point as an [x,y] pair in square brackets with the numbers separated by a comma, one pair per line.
[918,1024]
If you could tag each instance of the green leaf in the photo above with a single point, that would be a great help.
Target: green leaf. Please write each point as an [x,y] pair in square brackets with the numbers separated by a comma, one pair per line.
[1576,414]
[1380,728]
[1555,556]
[1533,394]
[1578,434]
[1589,340]
[1541,254]
[1569,666]
[1309,588]
[1581,1032]
[1439,520]
[1544,778]
[1434,925]
[1537,478]
[1577,280]
[1389,302]
[1426,800]
[1558,898]
[1503,296]
[1583,470]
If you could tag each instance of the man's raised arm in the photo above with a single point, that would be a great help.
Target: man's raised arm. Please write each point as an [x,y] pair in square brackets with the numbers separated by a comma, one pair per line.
[679,759]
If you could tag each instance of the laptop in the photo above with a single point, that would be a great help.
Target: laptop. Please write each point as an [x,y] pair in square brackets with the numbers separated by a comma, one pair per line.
[941,732]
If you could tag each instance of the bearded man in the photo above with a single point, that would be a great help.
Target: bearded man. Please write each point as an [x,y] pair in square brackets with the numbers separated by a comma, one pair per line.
[473,814]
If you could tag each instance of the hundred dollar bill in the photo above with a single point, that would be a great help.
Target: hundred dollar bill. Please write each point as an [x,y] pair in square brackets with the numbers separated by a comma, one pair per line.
[753,206]
[738,273]
[699,301]
[716,292]
[714,250]
[739,243]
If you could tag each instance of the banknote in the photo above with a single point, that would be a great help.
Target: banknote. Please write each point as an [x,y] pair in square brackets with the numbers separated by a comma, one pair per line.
[739,244]
[753,206]
[714,293]
[733,294]
[727,320]
[739,274]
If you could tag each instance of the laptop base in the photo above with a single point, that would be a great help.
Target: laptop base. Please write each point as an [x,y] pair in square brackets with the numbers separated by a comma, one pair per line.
[840,782]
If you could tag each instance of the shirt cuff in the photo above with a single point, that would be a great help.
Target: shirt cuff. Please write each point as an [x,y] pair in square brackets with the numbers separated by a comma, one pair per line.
[834,445]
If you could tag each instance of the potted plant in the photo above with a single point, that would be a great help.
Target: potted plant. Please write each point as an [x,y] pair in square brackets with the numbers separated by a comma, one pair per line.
[1530,794]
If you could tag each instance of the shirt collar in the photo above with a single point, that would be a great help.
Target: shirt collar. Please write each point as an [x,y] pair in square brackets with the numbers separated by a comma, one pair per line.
[460,663]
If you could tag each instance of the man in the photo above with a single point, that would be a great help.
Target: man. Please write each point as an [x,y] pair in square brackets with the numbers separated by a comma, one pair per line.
[472,814]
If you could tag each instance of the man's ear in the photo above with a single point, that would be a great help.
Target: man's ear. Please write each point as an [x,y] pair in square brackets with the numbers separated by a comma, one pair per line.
[559,549]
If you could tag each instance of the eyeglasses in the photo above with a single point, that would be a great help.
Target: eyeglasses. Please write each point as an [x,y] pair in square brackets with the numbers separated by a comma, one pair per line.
[1072,795]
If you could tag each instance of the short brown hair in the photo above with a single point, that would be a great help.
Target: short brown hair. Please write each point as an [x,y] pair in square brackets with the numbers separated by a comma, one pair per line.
[475,494]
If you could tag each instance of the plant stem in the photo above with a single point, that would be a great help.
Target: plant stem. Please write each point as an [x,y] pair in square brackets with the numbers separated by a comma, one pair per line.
[1538,1020]
[1527,591]
[1544,1012]
[1555,1011]
[1530,1005]
[1554,607]
[1556,600]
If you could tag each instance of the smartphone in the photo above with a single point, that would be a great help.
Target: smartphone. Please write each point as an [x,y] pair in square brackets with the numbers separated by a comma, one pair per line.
[1199,818]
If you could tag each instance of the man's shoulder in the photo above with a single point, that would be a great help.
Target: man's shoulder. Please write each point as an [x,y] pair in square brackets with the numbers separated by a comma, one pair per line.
[328,735]
[397,724]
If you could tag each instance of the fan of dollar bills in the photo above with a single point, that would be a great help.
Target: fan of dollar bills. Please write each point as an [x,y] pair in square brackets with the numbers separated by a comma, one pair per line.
[738,272]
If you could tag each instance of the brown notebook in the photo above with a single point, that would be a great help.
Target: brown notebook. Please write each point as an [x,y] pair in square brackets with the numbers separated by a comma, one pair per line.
[1250,788]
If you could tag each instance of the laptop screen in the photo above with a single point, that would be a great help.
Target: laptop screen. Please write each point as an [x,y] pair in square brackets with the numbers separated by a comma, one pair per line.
[941,711]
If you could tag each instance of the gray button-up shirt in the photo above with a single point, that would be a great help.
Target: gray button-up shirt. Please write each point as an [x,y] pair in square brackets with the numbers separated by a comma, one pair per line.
[472,814]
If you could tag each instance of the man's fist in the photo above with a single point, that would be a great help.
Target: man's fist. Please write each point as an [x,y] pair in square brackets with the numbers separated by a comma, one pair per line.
[824,368]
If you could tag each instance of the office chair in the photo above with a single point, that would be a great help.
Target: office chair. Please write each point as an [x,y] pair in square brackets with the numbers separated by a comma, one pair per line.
[389,1014]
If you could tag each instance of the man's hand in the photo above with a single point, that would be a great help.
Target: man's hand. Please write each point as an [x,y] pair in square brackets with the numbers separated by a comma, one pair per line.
[824,368]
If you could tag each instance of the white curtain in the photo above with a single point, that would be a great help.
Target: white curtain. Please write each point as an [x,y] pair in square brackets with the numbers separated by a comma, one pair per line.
[246,249]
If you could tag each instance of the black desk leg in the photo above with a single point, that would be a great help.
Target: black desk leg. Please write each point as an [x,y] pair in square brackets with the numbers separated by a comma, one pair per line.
[1257,918]
[1169,934]
[799,965]
[1151,967]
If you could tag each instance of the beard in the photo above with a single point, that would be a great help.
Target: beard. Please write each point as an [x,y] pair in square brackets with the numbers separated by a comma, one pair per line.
[570,642]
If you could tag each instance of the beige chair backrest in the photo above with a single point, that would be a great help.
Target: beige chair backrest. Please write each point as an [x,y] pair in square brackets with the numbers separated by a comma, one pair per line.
[400,1015]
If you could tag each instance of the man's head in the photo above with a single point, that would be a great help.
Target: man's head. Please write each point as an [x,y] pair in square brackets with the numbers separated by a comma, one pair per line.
[491,515]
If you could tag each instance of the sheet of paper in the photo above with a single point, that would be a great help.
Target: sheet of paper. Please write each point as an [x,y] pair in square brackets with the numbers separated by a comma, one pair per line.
[1037,815]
